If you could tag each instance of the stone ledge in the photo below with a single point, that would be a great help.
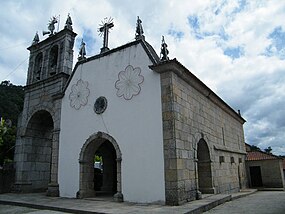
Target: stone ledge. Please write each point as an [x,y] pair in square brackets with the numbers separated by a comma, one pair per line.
[226,149]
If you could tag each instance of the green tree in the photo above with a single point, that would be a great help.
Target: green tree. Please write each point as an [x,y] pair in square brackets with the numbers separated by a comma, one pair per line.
[3,130]
[11,101]
[7,142]
[268,150]
[11,105]
[254,148]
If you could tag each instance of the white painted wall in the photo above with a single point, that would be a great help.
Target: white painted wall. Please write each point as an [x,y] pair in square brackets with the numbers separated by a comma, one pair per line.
[135,124]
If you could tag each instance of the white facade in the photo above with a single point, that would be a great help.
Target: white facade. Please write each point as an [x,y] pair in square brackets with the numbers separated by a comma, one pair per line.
[135,122]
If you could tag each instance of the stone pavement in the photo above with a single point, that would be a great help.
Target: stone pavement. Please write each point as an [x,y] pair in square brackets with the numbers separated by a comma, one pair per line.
[263,202]
[12,209]
[40,201]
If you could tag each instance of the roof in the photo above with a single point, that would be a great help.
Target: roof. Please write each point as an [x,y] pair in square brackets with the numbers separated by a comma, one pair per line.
[258,155]
[283,163]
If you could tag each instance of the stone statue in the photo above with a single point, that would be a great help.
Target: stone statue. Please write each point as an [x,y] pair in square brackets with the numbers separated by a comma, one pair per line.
[51,26]
[82,51]
[164,52]
[139,29]
[68,23]
[36,39]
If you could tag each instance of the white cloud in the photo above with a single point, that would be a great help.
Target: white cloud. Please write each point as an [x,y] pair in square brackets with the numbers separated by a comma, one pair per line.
[253,82]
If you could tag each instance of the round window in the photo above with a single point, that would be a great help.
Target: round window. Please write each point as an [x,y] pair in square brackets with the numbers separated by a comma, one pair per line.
[100,105]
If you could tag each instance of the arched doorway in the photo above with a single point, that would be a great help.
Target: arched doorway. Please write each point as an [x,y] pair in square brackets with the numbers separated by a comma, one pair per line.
[104,180]
[204,168]
[39,135]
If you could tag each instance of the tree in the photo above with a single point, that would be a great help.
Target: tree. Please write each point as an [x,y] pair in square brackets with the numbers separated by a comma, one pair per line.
[11,101]
[7,142]
[3,130]
[254,148]
[268,150]
[11,104]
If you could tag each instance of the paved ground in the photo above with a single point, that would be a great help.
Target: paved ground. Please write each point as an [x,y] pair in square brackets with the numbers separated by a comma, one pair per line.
[8,209]
[39,201]
[272,202]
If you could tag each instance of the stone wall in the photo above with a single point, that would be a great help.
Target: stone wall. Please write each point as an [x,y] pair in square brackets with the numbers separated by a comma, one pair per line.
[191,113]
[271,172]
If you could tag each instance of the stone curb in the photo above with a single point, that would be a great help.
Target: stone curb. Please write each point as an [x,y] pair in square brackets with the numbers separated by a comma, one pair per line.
[209,206]
[234,197]
[200,208]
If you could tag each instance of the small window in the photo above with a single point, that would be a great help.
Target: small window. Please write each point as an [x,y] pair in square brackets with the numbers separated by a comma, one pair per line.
[222,159]
[240,160]
[232,159]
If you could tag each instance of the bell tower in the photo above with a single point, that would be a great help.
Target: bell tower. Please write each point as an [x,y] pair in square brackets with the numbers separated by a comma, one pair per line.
[37,143]
[51,56]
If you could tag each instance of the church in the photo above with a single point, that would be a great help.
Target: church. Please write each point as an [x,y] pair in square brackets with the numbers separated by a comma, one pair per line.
[126,123]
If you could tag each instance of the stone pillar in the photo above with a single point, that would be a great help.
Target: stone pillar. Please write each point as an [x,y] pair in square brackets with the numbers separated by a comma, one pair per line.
[53,186]
[86,185]
[118,197]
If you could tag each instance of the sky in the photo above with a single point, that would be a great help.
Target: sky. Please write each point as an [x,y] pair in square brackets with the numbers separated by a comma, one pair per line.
[236,47]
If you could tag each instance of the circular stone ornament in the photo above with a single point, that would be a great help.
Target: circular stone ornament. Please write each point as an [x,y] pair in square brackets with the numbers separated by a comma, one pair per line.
[100,105]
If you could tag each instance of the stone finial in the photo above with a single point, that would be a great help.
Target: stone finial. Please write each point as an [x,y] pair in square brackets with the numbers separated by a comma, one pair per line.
[139,29]
[68,23]
[164,52]
[239,113]
[82,51]
[36,39]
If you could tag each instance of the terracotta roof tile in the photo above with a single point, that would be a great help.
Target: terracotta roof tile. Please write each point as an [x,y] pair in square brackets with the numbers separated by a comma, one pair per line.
[257,155]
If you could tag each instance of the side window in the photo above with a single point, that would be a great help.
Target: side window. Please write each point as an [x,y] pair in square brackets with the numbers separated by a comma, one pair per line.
[53,60]
[38,67]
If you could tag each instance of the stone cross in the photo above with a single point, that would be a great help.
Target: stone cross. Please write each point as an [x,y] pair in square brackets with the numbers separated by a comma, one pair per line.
[104,30]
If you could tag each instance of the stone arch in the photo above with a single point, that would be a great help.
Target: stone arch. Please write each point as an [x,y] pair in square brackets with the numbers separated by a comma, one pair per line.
[53,60]
[34,110]
[86,158]
[38,139]
[205,175]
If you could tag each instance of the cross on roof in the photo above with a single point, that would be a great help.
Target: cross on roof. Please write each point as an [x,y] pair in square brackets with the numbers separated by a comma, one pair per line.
[104,30]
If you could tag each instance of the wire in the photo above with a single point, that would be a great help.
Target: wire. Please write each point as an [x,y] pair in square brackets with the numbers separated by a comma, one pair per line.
[17,67]
[14,46]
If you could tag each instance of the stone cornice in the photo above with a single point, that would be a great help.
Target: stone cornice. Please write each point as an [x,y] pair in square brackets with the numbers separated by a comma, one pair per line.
[49,80]
[57,36]
[226,149]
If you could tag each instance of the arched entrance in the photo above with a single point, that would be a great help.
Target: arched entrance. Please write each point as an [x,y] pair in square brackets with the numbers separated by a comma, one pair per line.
[96,181]
[39,135]
[204,168]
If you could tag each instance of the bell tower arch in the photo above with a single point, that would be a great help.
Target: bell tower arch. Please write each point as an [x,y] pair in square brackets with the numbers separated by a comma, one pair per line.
[50,65]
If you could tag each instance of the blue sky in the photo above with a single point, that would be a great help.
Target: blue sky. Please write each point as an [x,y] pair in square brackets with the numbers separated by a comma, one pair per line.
[236,47]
